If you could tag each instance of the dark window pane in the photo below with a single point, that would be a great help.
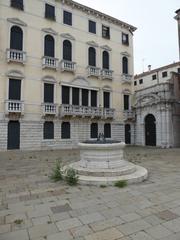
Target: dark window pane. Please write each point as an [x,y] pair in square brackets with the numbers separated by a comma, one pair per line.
[140,81]
[17,4]
[65,130]
[92,57]
[92,26]
[49,46]
[94,130]
[125,39]
[49,12]
[107,130]
[105,32]
[14,89]
[135,83]
[85,95]
[48,93]
[105,60]
[75,96]
[106,99]
[125,65]
[164,74]
[126,102]
[65,95]
[178,70]
[67,18]
[67,50]
[16,41]
[48,130]
[154,77]
[93,98]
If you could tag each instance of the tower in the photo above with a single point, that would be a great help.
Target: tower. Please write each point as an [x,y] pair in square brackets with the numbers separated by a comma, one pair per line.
[177,17]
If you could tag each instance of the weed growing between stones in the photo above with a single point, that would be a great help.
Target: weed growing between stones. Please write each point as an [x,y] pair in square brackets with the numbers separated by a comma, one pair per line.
[71,177]
[57,173]
[121,184]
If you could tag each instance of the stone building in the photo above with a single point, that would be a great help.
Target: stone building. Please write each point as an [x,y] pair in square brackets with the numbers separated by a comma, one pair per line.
[65,73]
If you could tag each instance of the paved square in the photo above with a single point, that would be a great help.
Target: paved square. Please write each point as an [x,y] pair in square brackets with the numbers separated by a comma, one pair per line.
[32,207]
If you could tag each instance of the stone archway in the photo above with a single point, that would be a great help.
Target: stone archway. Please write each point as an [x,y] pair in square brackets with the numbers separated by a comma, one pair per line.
[150,130]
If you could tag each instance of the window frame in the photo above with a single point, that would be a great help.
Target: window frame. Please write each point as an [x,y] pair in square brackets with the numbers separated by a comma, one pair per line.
[50,17]
[90,27]
[64,21]
[127,39]
[154,76]
[164,74]
[47,135]
[106,36]
[94,135]
[64,133]
[105,131]
[141,81]
[19,6]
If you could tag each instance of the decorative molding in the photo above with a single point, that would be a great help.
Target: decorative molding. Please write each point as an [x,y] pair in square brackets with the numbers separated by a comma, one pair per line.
[146,100]
[107,88]
[67,36]
[125,54]
[15,74]
[126,91]
[49,30]
[17,21]
[80,81]
[93,44]
[106,47]
[49,79]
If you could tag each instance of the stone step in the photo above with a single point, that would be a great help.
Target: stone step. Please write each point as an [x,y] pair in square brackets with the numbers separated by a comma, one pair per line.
[138,176]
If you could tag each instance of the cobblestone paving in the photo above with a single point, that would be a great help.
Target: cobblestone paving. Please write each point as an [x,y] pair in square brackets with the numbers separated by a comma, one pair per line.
[34,208]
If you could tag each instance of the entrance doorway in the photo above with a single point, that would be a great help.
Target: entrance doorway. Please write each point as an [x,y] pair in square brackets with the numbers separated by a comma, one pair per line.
[13,135]
[127,133]
[150,130]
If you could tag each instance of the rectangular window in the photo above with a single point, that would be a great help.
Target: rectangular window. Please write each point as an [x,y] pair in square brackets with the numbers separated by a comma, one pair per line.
[154,77]
[125,39]
[105,32]
[14,89]
[164,74]
[106,96]
[93,98]
[50,12]
[178,70]
[65,130]
[135,83]
[107,130]
[67,18]
[48,130]
[17,4]
[92,26]
[85,96]
[75,96]
[126,102]
[65,95]
[140,81]
[48,93]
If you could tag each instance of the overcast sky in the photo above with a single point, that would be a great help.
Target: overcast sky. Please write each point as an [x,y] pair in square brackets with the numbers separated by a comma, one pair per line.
[156,39]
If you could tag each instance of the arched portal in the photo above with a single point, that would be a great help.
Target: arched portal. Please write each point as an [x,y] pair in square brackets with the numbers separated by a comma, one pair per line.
[150,130]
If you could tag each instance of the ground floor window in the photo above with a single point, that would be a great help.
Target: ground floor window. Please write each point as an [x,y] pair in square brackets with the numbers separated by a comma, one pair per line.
[48,130]
[94,130]
[65,130]
[107,130]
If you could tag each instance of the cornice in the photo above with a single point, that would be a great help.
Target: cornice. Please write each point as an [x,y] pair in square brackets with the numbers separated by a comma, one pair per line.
[17,21]
[49,30]
[67,36]
[93,44]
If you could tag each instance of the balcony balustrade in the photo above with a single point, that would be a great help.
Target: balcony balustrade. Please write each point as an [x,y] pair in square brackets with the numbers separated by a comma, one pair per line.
[49,62]
[93,71]
[68,66]
[109,113]
[126,78]
[49,109]
[14,55]
[107,74]
[129,115]
[14,106]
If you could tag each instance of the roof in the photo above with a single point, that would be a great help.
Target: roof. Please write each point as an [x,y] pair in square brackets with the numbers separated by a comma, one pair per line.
[99,14]
[156,70]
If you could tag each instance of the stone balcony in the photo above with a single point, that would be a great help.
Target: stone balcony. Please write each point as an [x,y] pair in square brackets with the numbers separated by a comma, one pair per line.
[107,74]
[129,115]
[126,78]
[49,62]
[49,109]
[14,106]
[14,55]
[83,111]
[68,66]
[93,71]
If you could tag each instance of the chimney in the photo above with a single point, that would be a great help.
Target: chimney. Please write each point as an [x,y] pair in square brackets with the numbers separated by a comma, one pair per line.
[177,17]
[149,68]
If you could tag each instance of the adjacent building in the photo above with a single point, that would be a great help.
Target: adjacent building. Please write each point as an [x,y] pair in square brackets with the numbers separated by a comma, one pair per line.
[66,75]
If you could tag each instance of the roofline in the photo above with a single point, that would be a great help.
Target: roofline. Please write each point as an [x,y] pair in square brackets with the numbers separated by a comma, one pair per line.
[177,11]
[97,13]
[156,70]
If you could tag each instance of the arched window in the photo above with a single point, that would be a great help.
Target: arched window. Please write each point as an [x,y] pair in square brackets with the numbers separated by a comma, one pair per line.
[107,130]
[94,130]
[105,60]
[92,56]
[48,130]
[67,50]
[49,46]
[16,41]
[125,65]
[65,130]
